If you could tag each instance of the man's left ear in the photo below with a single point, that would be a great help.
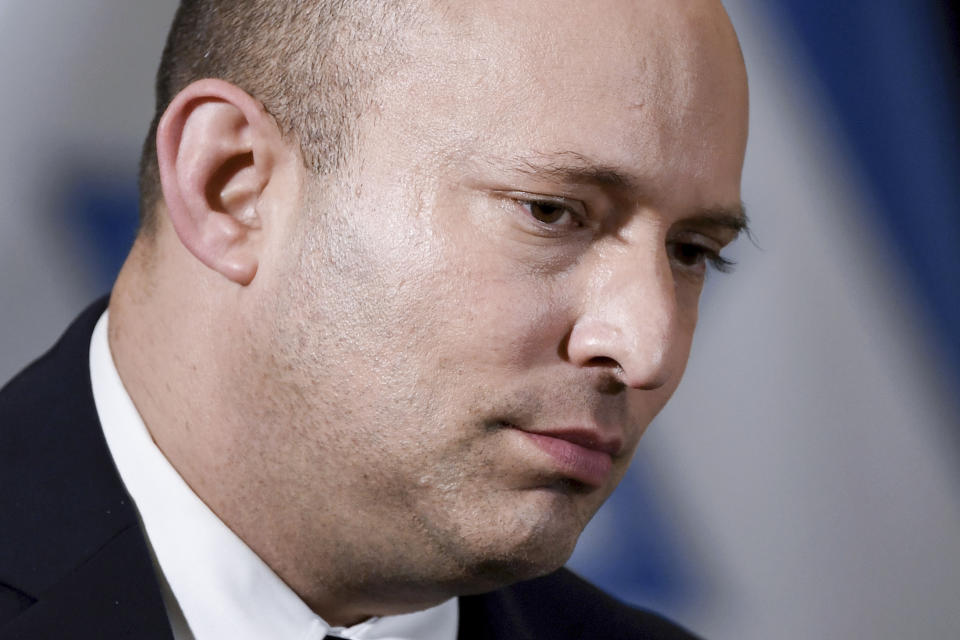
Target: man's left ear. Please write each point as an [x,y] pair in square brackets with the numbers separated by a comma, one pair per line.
[218,151]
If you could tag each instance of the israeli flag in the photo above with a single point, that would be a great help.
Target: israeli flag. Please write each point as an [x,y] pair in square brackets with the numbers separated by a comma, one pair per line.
[804,482]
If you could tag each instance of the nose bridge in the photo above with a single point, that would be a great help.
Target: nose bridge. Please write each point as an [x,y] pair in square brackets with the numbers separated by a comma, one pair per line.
[629,319]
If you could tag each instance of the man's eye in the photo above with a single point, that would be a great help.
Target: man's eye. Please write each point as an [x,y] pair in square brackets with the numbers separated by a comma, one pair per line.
[551,213]
[694,256]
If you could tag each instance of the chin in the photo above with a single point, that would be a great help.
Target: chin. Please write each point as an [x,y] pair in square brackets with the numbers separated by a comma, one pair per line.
[490,572]
[519,547]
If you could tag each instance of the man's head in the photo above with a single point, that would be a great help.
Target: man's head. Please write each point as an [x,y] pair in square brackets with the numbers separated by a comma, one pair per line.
[420,373]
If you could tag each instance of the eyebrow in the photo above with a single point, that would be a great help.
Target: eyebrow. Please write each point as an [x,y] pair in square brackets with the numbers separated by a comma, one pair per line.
[570,166]
[573,167]
[734,218]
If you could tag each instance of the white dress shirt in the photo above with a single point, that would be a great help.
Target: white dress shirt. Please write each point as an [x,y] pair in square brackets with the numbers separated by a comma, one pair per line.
[214,585]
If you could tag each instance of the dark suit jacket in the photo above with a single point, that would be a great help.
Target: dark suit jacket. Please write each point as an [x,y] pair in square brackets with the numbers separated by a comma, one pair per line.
[74,561]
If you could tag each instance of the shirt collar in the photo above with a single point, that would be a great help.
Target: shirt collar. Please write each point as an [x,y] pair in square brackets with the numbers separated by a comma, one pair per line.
[222,587]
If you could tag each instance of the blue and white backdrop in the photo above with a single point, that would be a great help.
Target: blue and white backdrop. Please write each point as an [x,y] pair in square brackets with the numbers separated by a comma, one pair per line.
[805,480]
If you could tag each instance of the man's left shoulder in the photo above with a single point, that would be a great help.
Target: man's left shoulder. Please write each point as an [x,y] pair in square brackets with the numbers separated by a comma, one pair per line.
[560,605]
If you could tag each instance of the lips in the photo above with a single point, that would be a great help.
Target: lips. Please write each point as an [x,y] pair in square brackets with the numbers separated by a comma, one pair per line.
[580,455]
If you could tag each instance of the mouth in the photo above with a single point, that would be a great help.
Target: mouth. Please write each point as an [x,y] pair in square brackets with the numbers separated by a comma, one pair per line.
[578,454]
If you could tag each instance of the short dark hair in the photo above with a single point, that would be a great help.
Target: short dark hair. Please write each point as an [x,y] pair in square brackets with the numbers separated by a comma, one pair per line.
[310,62]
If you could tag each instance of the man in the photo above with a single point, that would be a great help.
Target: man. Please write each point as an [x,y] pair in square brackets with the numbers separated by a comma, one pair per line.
[411,280]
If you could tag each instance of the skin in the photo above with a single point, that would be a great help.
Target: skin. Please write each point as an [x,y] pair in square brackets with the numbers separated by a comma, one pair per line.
[347,369]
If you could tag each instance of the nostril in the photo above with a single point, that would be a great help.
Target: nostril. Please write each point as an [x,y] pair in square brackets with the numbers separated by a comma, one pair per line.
[612,382]
[602,361]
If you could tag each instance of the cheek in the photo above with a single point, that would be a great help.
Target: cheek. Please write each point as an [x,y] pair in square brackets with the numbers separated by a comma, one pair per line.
[499,313]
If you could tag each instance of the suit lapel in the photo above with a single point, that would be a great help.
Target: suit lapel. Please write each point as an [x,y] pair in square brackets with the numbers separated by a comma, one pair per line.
[70,540]
[113,594]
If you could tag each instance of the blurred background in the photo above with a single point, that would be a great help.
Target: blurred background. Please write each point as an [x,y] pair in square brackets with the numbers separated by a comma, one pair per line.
[805,480]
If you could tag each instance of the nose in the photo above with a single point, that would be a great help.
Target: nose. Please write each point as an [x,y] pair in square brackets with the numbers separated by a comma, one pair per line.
[630,325]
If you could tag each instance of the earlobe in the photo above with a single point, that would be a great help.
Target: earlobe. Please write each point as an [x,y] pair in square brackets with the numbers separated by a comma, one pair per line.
[216,150]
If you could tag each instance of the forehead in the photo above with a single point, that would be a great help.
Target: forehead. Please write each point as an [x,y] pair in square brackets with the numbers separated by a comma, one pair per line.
[640,36]
[654,85]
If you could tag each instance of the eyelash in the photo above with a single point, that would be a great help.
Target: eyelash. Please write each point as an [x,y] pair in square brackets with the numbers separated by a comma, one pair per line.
[716,261]
[576,218]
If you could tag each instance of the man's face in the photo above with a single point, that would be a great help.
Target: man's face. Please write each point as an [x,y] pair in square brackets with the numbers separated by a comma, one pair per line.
[469,332]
